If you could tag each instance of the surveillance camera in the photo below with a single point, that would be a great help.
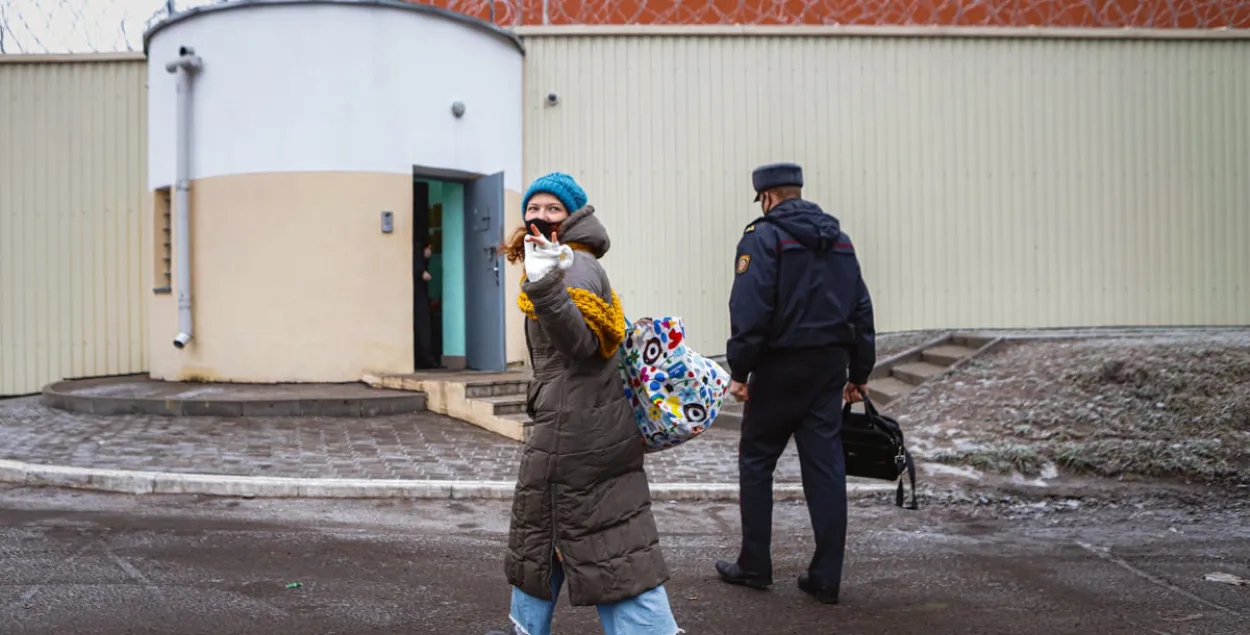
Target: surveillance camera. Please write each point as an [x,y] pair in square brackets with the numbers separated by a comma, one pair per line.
[552,99]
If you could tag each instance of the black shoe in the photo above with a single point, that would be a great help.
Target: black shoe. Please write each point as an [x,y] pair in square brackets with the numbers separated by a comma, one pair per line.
[822,594]
[733,574]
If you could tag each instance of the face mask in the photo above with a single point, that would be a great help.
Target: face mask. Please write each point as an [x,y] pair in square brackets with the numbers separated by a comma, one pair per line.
[544,227]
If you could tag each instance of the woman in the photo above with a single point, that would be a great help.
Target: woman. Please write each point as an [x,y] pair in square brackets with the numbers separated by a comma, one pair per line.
[581,513]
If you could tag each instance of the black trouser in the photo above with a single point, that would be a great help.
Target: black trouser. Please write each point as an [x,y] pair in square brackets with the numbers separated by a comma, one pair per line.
[799,394]
[422,317]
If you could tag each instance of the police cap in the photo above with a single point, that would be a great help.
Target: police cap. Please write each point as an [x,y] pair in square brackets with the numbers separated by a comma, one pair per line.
[766,177]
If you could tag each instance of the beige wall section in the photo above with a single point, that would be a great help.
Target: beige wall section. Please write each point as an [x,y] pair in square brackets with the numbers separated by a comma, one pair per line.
[986,182]
[514,319]
[293,280]
[73,135]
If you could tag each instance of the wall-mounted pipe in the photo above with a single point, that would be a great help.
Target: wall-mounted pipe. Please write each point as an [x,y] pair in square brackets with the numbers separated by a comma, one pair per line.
[183,67]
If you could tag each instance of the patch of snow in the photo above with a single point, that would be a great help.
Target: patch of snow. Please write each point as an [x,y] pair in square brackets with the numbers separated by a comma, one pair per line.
[952,470]
[103,390]
[1019,479]
[194,393]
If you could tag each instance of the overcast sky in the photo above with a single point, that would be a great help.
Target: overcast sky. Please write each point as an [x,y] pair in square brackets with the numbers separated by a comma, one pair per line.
[79,26]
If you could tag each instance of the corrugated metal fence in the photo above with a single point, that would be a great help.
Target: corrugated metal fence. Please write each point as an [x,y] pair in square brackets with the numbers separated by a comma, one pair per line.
[987,182]
[73,153]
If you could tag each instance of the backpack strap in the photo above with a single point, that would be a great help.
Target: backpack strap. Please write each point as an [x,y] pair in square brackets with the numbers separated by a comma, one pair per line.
[906,464]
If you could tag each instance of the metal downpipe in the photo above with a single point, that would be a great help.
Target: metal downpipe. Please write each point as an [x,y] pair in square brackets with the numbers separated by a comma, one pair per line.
[183,67]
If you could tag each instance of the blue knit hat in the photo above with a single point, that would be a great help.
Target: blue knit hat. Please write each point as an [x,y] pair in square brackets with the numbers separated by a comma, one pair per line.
[559,185]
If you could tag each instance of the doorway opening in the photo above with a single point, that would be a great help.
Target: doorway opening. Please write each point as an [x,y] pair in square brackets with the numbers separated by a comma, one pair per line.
[438,277]
[458,293]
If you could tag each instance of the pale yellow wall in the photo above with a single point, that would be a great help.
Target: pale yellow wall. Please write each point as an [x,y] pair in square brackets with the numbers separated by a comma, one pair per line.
[988,182]
[293,280]
[73,139]
[515,320]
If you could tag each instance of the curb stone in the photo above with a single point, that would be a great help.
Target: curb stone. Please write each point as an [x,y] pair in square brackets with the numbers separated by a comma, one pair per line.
[136,482]
[62,396]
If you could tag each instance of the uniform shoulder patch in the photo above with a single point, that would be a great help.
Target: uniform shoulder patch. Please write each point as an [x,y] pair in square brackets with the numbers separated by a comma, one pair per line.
[750,228]
[744,261]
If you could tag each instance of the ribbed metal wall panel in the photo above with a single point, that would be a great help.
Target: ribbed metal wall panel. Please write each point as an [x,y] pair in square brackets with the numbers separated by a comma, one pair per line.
[986,182]
[72,166]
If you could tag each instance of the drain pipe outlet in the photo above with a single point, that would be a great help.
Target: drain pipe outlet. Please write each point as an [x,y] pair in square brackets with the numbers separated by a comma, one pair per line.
[183,67]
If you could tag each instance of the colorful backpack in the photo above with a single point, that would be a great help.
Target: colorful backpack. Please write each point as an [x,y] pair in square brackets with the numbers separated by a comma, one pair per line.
[676,392]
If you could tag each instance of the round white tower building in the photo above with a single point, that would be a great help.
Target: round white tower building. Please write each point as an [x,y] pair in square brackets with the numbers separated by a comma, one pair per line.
[321,147]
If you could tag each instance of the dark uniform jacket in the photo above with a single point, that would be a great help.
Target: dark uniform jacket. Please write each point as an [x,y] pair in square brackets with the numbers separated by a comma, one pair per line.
[581,488]
[798,286]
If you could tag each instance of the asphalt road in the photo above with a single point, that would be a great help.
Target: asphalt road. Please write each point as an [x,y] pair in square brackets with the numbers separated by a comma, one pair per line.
[79,563]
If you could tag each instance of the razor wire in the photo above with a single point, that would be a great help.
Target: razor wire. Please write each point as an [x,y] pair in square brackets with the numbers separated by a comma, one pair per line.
[92,26]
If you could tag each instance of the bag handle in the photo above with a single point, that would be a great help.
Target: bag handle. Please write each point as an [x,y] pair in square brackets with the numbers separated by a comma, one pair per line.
[620,348]
[909,466]
[869,408]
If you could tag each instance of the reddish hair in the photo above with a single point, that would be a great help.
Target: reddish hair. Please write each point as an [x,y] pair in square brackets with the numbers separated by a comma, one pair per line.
[513,247]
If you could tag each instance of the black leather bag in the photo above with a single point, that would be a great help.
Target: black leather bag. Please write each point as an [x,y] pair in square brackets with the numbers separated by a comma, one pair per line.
[873,446]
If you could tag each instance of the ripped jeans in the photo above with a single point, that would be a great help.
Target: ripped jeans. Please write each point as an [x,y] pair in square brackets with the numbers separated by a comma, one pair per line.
[645,614]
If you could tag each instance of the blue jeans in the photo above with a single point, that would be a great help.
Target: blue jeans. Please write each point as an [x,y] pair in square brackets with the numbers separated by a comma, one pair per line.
[645,614]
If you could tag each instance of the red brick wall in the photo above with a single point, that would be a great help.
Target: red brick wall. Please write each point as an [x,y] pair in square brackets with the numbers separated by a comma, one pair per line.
[1166,14]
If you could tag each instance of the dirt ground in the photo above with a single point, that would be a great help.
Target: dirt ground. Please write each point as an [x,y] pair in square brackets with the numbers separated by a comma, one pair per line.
[1160,405]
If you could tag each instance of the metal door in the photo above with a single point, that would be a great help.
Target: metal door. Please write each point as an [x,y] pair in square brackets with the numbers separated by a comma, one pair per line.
[484,274]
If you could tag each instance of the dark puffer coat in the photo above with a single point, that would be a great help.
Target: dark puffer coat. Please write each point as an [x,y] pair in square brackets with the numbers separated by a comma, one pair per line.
[581,488]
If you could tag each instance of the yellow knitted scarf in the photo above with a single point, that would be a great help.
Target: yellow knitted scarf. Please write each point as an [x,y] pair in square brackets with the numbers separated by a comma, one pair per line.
[606,320]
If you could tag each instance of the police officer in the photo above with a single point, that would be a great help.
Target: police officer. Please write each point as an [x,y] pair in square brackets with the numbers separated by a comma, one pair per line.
[801,317]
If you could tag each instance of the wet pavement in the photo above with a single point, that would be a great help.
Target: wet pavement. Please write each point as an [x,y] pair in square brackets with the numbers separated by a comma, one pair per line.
[421,446]
[74,562]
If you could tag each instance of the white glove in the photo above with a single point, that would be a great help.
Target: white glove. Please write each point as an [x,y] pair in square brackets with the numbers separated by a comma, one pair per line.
[543,256]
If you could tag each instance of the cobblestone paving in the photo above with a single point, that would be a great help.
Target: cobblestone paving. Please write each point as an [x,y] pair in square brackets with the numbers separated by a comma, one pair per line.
[414,446]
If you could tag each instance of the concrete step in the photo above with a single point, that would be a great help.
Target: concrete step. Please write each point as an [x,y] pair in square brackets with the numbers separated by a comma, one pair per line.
[505,404]
[520,418]
[497,388]
[970,341]
[946,354]
[883,391]
[917,373]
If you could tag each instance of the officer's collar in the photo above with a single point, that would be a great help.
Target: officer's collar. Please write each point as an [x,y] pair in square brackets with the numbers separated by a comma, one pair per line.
[787,205]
